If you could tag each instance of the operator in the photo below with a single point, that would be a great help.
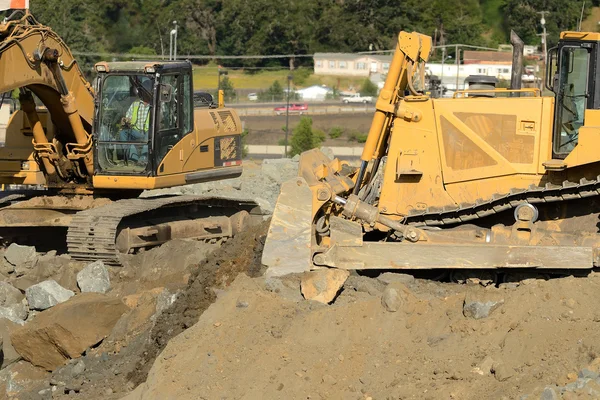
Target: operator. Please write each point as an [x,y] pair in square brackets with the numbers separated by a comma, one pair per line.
[136,123]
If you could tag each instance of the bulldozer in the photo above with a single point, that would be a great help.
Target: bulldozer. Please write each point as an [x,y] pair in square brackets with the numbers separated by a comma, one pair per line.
[494,182]
[93,148]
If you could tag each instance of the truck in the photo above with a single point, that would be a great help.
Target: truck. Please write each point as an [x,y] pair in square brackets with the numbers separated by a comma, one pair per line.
[494,183]
[357,98]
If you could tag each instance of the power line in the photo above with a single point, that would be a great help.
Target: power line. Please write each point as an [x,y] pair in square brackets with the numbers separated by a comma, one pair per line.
[190,56]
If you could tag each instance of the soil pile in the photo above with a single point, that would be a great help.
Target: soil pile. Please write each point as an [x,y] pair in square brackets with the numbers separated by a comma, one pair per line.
[441,341]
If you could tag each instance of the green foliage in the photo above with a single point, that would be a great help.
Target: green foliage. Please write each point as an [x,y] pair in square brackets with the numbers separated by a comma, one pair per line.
[273,93]
[229,93]
[142,50]
[301,75]
[242,27]
[368,88]
[357,137]
[281,142]
[305,137]
[333,95]
[335,132]
[245,149]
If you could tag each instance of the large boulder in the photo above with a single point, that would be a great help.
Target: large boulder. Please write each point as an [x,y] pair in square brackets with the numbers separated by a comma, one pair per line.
[16,313]
[323,285]
[65,331]
[47,294]
[94,278]
[9,354]
[9,294]
[18,255]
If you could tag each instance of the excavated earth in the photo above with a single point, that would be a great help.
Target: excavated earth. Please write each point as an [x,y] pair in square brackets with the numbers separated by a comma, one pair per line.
[192,320]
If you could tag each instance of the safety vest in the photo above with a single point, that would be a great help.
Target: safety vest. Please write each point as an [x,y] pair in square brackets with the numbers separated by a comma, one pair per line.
[134,117]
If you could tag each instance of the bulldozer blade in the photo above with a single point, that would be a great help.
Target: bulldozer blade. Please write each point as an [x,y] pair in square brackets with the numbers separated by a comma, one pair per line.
[287,247]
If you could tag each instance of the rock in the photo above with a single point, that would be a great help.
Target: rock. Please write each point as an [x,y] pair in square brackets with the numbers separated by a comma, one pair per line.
[94,278]
[479,304]
[164,300]
[296,158]
[51,253]
[364,284]
[18,255]
[323,285]
[9,354]
[241,303]
[47,294]
[586,373]
[391,300]
[67,330]
[393,277]
[485,367]
[16,313]
[78,368]
[549,394]
[9,294]
[22,377]
[329,380]
[502,372]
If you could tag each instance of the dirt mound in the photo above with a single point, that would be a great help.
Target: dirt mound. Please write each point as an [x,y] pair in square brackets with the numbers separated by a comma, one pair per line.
[240,254]
[445,341]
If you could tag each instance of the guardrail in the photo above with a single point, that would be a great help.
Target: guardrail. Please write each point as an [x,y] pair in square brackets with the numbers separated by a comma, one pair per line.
[279,150]
[311,111]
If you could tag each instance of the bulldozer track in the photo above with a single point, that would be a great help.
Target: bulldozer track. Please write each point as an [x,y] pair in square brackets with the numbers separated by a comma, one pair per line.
[549,193]
[92,233]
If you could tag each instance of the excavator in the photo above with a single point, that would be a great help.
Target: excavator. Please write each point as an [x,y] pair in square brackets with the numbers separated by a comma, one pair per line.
[95,147]
[496,183]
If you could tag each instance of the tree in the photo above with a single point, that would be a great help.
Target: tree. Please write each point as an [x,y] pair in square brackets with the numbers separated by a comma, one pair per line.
[305,137]
[273,93]
[368,88]
[229,93]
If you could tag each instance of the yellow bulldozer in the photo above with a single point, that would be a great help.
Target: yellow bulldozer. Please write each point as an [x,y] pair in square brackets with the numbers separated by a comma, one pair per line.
[489,181]
[95,147]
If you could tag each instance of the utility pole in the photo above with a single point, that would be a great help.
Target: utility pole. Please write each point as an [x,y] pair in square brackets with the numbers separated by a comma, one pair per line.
[287,116]
[457,65]
[544,43]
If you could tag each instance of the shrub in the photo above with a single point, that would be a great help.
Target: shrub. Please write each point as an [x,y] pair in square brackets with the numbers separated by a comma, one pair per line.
[368,88]
[273,93]
[305,137]
[245,149]
[335,132]
[357,137]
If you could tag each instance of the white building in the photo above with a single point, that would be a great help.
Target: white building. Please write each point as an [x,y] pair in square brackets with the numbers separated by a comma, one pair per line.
[315,93]
[451,72]
[350,64]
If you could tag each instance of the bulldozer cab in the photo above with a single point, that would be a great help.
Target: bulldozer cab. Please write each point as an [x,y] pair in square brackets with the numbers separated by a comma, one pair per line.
[143,110]
[572,76]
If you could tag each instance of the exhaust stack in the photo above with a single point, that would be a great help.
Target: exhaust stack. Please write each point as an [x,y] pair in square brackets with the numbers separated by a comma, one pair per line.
[517,62]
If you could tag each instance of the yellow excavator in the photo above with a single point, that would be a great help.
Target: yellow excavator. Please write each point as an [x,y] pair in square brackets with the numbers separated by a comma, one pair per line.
[95,148]
[491,182]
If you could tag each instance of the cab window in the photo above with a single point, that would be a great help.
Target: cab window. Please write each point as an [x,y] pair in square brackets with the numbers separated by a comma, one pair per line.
[572,97]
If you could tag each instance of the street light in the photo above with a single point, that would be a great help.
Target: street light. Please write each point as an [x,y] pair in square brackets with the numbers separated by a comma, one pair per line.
[287,115]
[173,42]
[444,58]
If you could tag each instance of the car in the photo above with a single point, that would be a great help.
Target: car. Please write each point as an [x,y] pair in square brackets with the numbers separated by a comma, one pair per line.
[294,108]
[252,96]
[357,98]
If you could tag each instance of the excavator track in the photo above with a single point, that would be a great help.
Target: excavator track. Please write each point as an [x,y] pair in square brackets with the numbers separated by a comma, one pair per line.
[499,203]
[92,233]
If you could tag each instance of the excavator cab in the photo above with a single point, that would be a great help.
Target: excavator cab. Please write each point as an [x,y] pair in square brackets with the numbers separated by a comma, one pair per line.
[573,78]
[144,109]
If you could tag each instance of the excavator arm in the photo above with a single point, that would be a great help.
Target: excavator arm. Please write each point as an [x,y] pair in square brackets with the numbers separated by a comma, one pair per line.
[35,60]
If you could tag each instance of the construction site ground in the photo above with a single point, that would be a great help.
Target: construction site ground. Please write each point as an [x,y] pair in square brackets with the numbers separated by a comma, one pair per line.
[191,320]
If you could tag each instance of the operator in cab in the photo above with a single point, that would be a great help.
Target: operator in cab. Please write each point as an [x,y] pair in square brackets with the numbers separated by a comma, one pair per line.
[136,123]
